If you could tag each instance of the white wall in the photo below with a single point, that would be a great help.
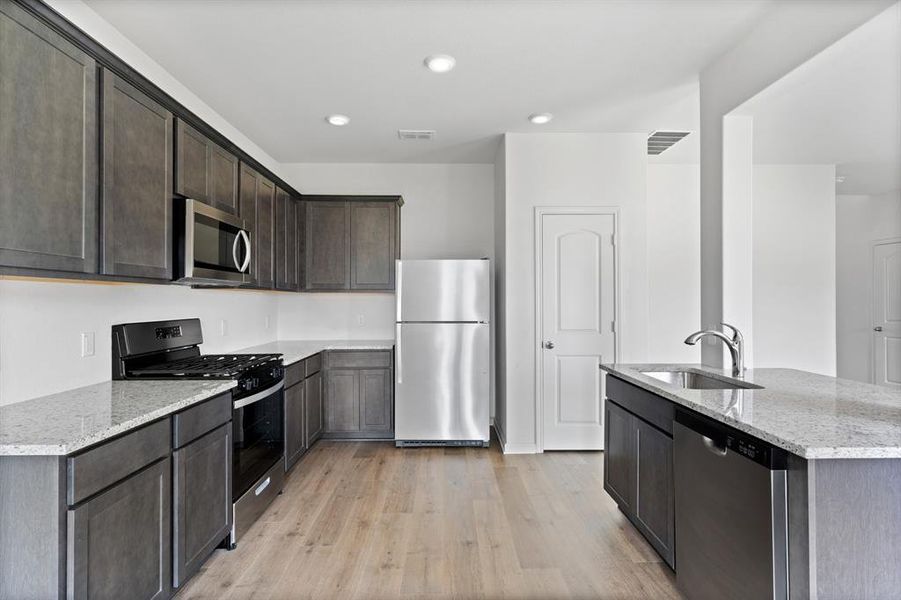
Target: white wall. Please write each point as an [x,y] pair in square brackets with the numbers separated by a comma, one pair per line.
[41,324]
[785,38]
[794,267]
[674,261]
[568,170]
[862,220]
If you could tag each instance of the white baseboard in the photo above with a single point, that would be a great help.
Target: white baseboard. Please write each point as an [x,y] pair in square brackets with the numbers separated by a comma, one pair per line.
[512,448]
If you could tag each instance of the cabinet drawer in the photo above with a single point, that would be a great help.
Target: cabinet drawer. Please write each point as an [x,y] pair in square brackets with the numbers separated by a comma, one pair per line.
[312,365]
[100,467]
[657,411]
[357,359]
[294,374]
[191,423]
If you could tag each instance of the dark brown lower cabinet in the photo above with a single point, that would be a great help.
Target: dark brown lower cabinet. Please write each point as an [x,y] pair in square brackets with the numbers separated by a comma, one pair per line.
[654,500]
[619,455]
[638,475]
[119,541]
[359,394]
[295,424]
[202,503]
[314,410]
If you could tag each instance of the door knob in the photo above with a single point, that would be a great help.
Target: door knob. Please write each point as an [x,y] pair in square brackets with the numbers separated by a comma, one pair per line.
[549,345]
[877,328]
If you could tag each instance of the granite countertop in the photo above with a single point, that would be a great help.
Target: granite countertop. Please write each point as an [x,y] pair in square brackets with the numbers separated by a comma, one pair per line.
[810,415]
[296,350]
[63,423]
[69,421]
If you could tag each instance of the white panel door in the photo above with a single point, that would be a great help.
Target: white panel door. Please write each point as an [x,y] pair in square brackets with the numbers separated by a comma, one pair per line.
[577,288]
[887,314]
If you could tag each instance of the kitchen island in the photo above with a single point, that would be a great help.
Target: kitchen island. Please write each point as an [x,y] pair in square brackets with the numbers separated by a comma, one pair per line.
[842,447]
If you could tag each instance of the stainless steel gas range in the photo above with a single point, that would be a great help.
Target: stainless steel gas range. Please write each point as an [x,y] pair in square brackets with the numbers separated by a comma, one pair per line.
[171,350]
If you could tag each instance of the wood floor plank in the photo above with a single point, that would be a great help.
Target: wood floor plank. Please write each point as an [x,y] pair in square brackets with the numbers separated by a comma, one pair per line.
[370,521]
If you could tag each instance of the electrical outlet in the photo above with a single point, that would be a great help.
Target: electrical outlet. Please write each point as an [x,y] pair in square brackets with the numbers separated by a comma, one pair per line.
[223,327]
[361,320]
[87,344]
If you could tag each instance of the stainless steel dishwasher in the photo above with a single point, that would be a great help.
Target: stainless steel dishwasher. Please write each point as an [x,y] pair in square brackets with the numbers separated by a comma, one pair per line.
[731,529]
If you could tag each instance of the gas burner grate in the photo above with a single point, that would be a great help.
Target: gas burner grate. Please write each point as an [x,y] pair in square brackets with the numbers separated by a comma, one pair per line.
[208,365]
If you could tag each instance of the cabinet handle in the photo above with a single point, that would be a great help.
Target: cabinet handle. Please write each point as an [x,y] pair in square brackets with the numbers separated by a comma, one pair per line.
[262,487]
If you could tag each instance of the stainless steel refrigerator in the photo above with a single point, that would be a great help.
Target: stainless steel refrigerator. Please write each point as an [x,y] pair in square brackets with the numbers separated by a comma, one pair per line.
[441,379]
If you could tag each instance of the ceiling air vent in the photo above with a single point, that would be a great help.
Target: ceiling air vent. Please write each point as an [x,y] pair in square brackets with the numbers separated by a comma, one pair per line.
[416,134]
[661,140]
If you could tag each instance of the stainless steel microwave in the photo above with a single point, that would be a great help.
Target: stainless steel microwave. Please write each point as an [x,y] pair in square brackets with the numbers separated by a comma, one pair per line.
[212,246]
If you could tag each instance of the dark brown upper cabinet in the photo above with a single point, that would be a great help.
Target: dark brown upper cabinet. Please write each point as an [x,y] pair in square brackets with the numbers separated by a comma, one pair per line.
[351,242]
[373,245]
[48,148]
[205,171]
[327,242]
[257,208]
[286,236]
[137,183]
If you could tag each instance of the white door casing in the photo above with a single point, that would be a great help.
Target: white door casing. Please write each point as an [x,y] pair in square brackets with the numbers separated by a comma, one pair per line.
[887,313]
[576,313]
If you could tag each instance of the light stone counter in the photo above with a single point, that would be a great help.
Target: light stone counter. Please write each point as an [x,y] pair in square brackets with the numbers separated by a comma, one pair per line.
[63,423]
[296,350]
[812,416]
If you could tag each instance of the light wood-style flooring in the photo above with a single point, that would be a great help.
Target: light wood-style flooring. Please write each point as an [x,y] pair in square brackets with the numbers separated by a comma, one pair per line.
[368,520]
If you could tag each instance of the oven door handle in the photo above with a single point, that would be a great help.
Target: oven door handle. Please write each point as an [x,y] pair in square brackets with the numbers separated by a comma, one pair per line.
[259,395]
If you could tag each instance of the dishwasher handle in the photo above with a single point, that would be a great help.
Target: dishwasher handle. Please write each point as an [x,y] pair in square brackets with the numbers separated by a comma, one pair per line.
[719,450]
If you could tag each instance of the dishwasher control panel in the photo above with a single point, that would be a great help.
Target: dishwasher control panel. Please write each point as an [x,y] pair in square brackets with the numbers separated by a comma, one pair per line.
[723,436]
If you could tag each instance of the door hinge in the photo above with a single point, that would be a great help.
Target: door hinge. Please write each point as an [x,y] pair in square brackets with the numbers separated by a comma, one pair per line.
[613,239]
[613,326]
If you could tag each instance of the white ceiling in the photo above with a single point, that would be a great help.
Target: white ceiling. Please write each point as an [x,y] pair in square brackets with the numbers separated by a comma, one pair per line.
[276,68]
[842,107]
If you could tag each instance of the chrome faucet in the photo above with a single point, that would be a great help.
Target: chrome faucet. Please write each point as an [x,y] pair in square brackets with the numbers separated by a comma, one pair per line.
[736,345]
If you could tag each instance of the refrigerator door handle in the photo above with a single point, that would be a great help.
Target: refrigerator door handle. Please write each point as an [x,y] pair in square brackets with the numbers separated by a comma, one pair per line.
[399,277]
[398,359]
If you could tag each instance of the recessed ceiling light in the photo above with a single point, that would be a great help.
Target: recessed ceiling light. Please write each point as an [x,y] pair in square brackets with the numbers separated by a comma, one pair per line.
[540,118]
[338,120]
[440,63]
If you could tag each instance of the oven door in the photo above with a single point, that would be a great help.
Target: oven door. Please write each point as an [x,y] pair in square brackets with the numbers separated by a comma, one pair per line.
[214,247]
[258,438]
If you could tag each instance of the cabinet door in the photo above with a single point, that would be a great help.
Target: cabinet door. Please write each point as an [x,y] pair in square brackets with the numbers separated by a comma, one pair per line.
[118,545]
[619,455]
[342,401]
[223,179]
[327,241]
[654,506]
[375,401]
[265,234]
[314,408]
[192,163]
[202,500]
[137,183]
[295,424]
[48,148]
[247,210]
[285,241]
[373,251]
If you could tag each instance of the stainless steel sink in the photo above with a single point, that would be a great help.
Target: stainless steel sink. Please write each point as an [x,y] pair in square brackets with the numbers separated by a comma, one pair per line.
[697,381]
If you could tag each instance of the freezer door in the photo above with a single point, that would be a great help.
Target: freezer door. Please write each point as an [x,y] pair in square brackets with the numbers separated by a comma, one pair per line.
[443,290]
[441,381]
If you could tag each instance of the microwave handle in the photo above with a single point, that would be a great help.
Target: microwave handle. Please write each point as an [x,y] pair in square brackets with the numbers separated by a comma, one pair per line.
[235,250]
[243,268]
